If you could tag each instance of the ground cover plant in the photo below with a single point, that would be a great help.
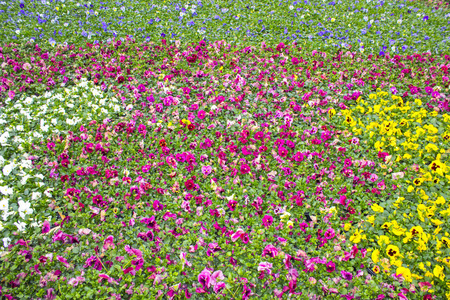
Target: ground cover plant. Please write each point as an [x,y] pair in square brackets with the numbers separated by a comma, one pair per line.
[181,167]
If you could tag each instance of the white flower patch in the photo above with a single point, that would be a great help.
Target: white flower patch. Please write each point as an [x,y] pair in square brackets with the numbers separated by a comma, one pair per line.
[30,120]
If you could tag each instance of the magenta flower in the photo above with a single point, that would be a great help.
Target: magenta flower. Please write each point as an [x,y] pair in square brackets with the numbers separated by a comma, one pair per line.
[267,220]
[142,129]
[201,114]
[331,267]
[76,281]
[63,260]
[246,293]
[329,234]
[283,152]
[11,94]
[245,238]
[263,266]
[294,60]
[245,169]
[237,235]
[109,279]
[218,287]
[259,135]
[346,275]
[216,276]
[109,243]
[232,205]
[45,227]
[204,278]
[270,251]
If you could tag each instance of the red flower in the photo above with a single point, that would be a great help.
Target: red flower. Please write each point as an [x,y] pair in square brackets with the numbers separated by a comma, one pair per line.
[120,79]
[191,127]
[189,184]
[162,143]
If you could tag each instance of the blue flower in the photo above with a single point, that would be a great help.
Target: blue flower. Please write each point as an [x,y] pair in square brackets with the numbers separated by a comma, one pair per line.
[425,18]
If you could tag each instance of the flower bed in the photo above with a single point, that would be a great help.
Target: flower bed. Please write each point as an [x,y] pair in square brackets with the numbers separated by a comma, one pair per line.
[230,181]
[271,150]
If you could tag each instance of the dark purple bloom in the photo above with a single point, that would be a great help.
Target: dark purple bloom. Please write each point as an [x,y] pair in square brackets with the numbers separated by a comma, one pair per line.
[346,275]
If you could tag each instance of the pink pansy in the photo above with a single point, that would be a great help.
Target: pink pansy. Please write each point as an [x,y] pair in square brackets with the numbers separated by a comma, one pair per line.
[206,170]
[204,278]
[263,266]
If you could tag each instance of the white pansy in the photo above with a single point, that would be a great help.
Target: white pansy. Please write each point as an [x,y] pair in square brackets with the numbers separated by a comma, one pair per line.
[35,195]
[8,169]
[28,100]
[4,204]
[5,190]
[19,127]
[24,208]
[26,163]
[47,193]
[18,140]
[40,176]
[6,242]
[24,179]
[4,138]
[20,225]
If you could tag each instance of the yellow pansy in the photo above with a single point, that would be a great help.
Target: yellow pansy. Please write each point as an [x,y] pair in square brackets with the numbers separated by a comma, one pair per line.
[437,166]
[440,200]
[357,236]
[431,147]
[397,229]
[418,181]
[393,251]
[422,246]
[405,272]
[331,112]
[431,129]
[376,256]
[377,208]
[383,240]
[438,272]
